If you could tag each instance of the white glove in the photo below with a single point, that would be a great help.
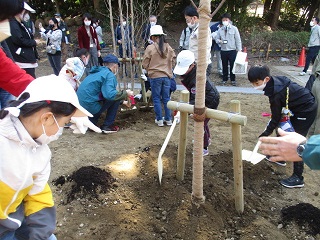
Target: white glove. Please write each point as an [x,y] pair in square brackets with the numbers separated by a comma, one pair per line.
[81,125]
[144,72]
[177,117]
[144,77]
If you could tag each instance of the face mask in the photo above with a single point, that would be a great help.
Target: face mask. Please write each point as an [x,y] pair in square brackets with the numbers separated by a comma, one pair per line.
[51,26]
[94,25]
[261,87]
[124,23]
[58,19]
[190,25]
[311,24]
[225,23]
[26,17]
[152,24]
[87,23]
[45,139]
[4,30]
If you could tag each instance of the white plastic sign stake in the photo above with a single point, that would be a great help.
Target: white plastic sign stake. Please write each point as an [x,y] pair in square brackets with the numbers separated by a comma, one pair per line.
[253,156]
[164,146]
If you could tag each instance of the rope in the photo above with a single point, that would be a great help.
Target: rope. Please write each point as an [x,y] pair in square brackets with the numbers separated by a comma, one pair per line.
[199,114]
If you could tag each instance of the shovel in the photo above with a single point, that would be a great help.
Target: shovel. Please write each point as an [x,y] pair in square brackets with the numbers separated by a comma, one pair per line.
[253,156]
[164,146]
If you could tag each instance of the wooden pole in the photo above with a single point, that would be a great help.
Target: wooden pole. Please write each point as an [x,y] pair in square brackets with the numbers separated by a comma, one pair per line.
[123,44]
[112,28]
[133,51]
[143,86]
[237,160]
[210,113]
[184,97]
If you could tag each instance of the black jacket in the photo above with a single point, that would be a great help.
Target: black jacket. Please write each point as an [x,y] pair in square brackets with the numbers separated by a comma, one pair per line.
[22,38]
[301,100]
[212,96]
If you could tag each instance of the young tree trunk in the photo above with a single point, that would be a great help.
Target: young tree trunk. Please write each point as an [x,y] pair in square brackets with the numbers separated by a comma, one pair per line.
[276,7]
[96,4]
[112,28]
[197,180]
[266,7]
[57,6]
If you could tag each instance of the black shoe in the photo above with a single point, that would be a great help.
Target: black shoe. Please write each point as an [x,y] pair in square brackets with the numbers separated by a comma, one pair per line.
[280,163]
[292,182]
[110,129]
[223,82]
[234,83]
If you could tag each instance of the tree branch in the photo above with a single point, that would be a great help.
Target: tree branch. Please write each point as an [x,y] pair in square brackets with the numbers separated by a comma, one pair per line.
[193,4]
[217,9]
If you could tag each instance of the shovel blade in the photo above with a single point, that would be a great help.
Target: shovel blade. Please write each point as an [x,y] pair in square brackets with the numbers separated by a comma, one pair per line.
[251,156]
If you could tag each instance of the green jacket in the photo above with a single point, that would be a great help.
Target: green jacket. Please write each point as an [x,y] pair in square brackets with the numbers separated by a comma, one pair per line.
[311,154]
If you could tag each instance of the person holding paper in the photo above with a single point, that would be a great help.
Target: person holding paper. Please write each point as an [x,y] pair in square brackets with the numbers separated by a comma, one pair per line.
[228,37]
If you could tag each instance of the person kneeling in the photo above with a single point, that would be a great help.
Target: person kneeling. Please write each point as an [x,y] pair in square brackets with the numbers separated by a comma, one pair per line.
[98,93]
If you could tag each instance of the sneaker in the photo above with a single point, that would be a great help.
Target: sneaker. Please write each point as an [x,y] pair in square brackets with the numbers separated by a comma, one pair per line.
[138,96]
[292,182]
[233,83]
[302,73]
[205,152]
[110,129]
[159,122]
[223,82]
[168,123]
[280,163]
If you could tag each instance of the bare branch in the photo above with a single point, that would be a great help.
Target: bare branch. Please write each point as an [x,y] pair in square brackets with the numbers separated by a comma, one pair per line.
[217,9]
[193,4]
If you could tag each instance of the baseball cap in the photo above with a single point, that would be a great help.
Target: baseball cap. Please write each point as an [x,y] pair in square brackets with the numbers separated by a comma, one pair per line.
[57,15]
[184,59]
[156,30]
[54,88]
[110,58]
[28,8]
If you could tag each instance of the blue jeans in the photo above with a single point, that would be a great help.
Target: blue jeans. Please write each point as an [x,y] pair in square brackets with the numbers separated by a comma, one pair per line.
[112,108]
[160,88]
[5,97]
[55,62]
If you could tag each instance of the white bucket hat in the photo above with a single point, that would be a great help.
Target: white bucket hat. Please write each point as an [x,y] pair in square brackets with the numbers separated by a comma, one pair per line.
[184,59]
[28,8]
[51,88]
[156,30]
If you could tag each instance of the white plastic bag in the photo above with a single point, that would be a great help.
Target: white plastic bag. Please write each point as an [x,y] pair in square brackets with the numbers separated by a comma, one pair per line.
[241,58]
[240,68]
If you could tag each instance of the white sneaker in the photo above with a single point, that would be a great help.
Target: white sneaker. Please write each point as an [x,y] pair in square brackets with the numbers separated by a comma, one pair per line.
[302,73]
[159,122]
[168,123]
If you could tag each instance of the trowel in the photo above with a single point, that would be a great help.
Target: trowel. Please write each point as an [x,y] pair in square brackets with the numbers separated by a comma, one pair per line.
[253,156]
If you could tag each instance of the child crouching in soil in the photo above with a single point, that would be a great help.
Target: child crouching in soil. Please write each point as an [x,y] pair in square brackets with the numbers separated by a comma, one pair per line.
[74,68]
[283,93]
[187,68]
[26,127]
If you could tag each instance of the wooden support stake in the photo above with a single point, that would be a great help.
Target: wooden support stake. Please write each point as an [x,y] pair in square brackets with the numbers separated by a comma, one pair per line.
[184,97]
[268,50]
[237,160]
[143,86]
[233,117]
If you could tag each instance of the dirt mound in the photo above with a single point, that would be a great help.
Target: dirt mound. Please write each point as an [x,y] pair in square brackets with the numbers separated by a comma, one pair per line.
[305,215]
[86,182]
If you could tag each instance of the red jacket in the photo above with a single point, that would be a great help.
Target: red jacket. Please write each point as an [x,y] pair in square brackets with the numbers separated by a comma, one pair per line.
[13,79]
[84,39]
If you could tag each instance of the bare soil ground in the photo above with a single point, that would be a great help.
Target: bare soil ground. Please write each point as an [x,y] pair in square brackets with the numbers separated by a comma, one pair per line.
[129,203]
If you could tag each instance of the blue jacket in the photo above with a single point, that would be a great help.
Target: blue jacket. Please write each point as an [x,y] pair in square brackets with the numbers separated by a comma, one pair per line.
[99,86]
[215,46]
[311,154]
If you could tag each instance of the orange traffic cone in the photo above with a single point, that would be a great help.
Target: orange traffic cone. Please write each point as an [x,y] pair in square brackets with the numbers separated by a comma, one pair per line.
[302,58]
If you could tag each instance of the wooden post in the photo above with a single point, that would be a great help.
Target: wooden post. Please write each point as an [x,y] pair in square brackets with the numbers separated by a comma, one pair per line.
[210,113]
[184,97]
[112,28]
[237,160]
[143,86]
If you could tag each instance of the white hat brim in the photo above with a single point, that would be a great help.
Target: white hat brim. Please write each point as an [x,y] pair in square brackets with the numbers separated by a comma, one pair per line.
[180,70]
[28,8]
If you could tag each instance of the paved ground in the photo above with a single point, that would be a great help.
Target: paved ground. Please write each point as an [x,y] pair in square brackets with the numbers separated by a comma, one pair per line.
[293,73]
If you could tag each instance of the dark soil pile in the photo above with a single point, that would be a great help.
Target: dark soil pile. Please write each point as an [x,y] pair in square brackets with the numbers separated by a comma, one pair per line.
[87,182]
[305,215]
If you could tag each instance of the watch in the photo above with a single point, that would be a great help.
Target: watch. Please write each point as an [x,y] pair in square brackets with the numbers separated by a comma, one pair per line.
[301,147]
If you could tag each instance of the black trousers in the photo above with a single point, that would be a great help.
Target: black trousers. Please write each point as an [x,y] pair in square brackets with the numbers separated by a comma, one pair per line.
[228,57]
[311,56]
[301,124]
